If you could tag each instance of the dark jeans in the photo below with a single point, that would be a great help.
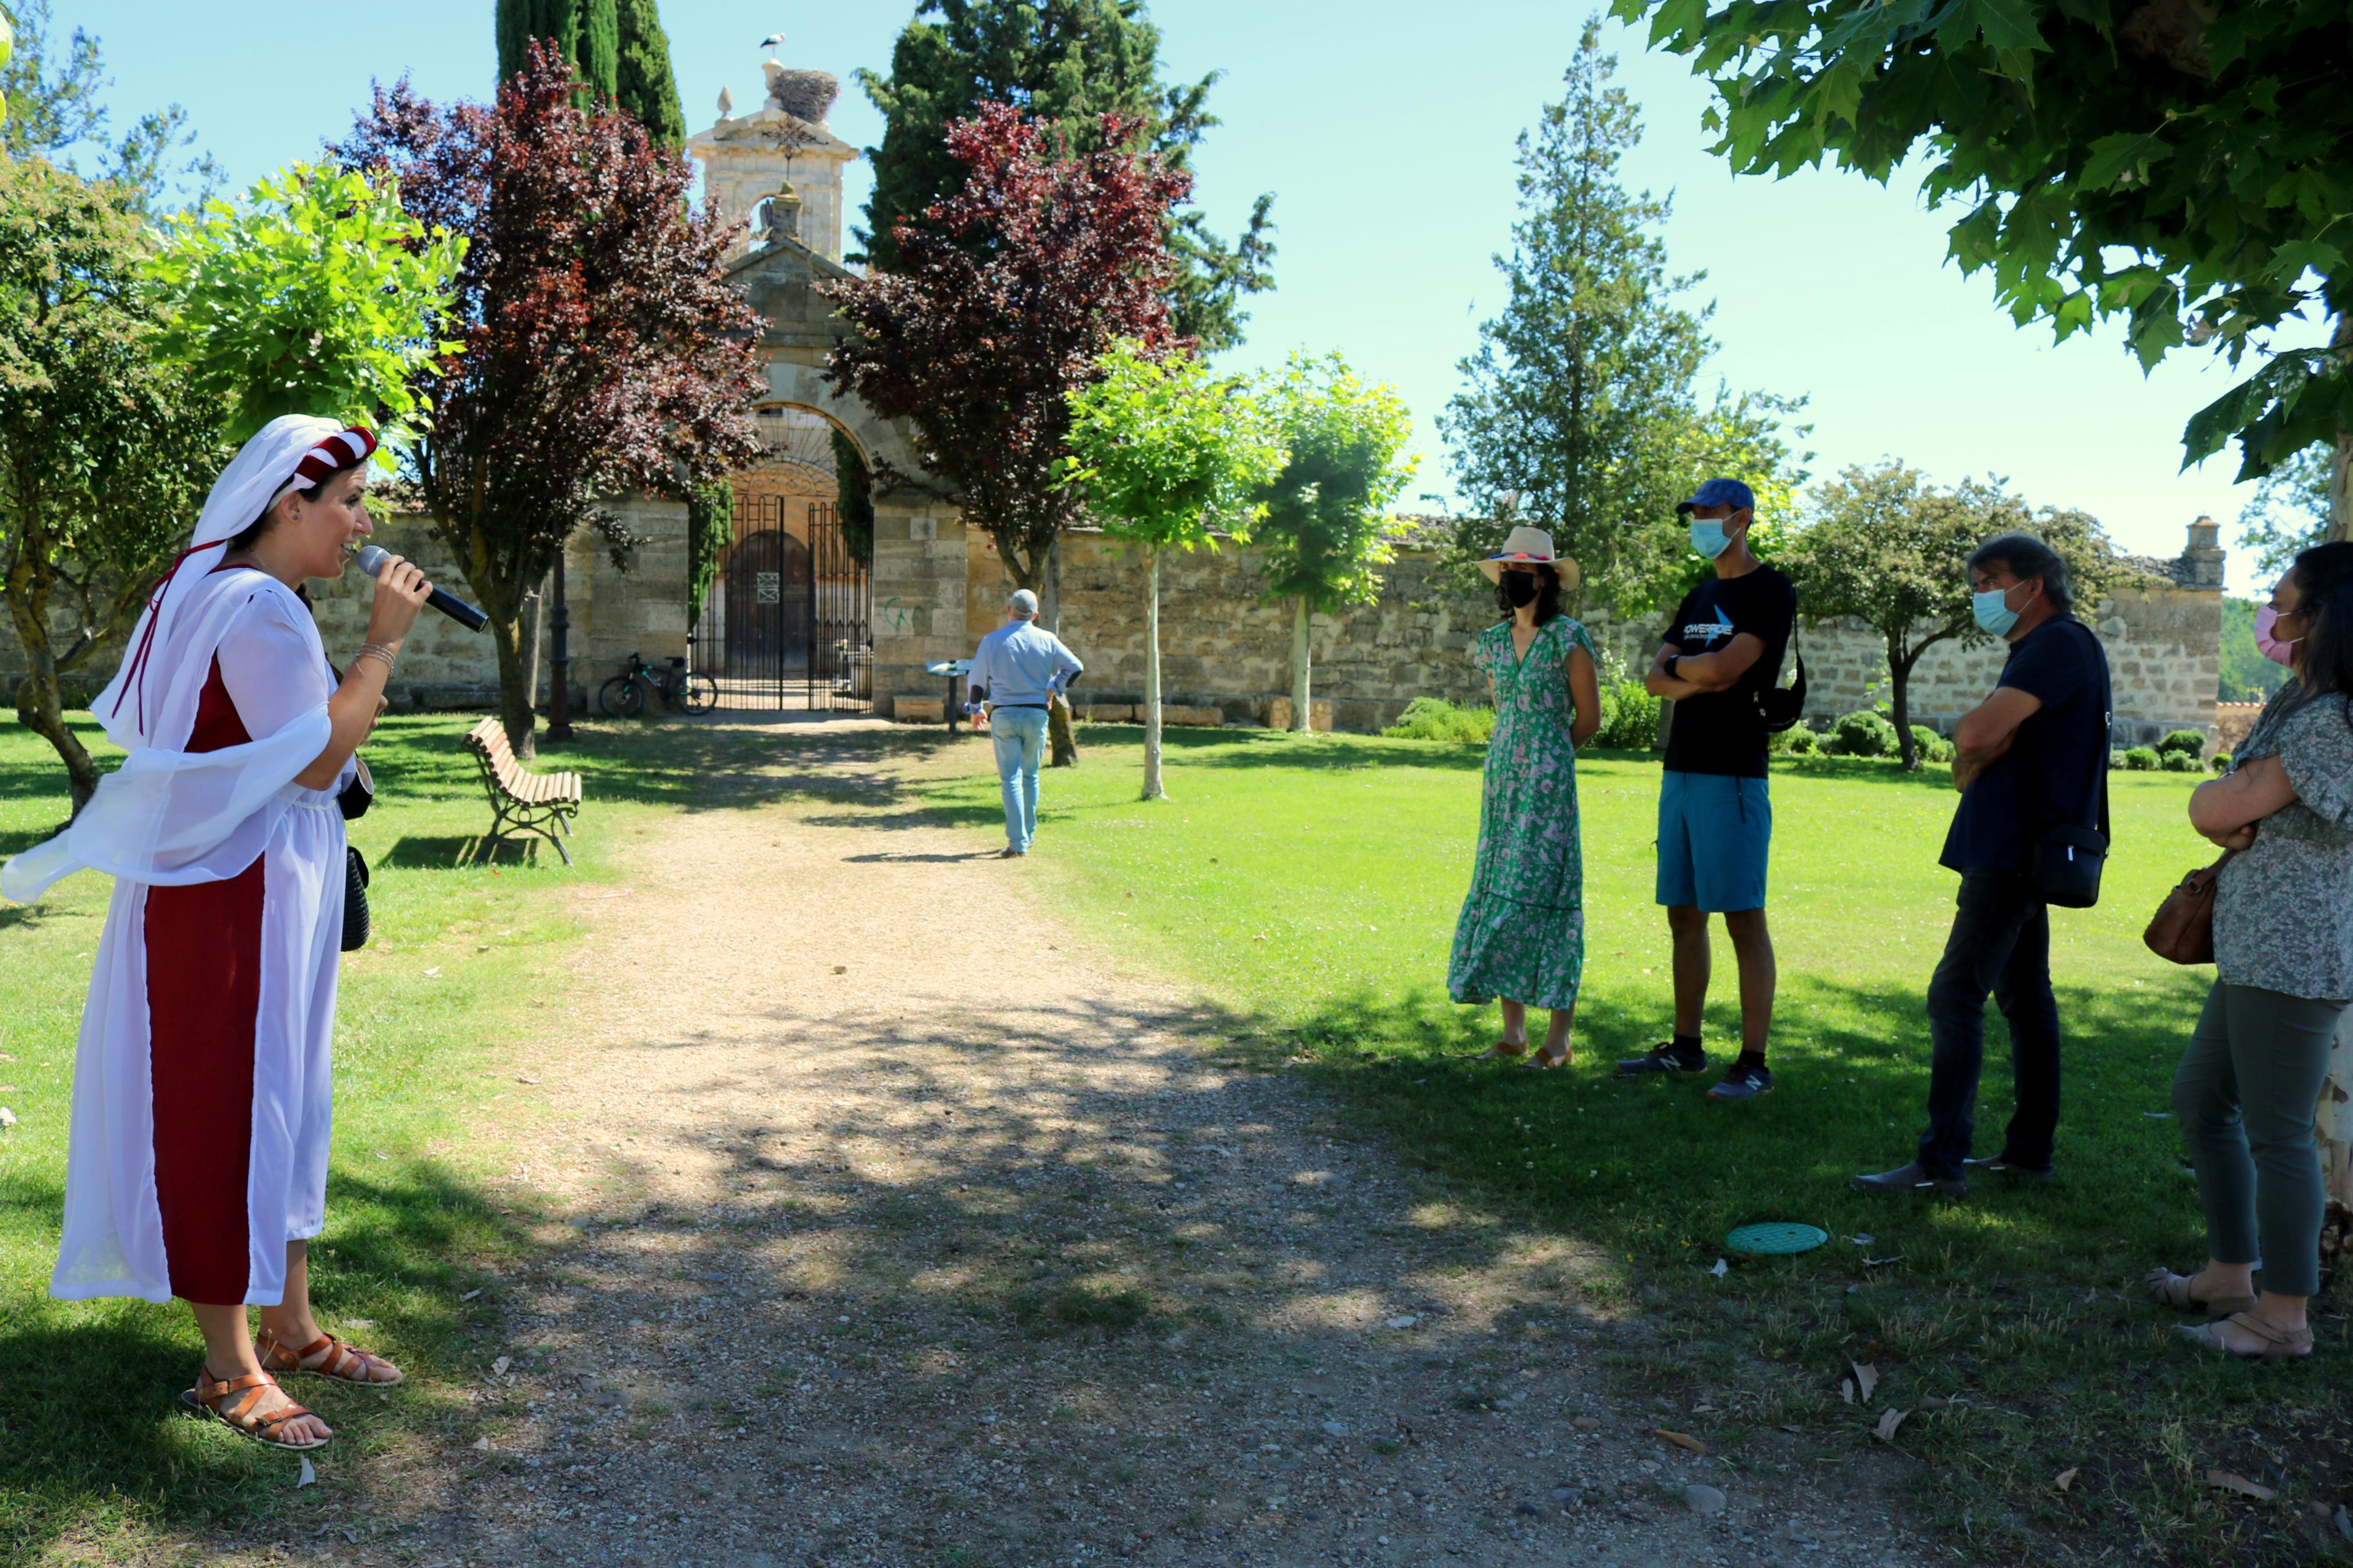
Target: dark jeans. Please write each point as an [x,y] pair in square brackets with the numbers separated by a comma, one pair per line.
[2000,943]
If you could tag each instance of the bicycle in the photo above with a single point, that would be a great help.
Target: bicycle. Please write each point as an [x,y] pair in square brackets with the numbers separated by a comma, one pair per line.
[623,696]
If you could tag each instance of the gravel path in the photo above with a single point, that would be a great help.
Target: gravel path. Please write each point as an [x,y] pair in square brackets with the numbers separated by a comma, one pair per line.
[914,1228]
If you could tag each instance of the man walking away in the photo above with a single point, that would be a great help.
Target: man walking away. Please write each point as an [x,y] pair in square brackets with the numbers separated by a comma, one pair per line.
[1721,654]
[2033,758]
[1017,670]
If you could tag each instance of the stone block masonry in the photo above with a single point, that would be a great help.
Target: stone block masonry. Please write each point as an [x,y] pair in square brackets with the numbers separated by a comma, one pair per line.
[940,588]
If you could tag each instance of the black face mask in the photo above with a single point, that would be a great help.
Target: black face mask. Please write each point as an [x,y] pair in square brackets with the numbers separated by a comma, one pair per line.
[1521,588]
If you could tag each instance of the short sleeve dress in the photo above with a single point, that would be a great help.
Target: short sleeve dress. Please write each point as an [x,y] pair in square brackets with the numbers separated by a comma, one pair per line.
[2284,908]
[1521,934]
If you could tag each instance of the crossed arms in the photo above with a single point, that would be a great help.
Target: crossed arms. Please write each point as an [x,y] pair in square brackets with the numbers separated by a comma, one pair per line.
[1703,672]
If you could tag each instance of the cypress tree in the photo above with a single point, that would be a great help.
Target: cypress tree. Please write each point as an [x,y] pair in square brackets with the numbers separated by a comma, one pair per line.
[588,32]
[643,82]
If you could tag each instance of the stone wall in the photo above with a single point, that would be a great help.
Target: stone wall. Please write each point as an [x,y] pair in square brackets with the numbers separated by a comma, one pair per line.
[614,614]
[1223,647]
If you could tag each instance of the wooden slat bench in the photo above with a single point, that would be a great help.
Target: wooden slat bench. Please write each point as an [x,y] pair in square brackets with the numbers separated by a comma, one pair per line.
[522,801]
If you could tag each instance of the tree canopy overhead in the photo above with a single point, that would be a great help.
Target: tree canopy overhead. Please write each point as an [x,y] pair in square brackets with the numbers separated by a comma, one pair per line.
[1066,64]
[2177,167]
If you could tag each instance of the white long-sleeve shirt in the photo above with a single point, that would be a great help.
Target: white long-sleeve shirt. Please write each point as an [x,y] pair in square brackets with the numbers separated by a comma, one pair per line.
[1021,665]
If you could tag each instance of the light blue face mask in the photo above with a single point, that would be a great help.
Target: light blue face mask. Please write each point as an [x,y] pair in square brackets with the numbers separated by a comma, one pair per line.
[1707,536]
[1993,610]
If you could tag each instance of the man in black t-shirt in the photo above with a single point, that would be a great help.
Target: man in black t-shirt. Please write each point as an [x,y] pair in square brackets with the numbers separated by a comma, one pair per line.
[1718,656]
[2033,756]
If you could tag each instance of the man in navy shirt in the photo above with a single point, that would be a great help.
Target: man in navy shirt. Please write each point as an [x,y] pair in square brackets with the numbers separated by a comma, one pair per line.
[2033,757]
[1716,659]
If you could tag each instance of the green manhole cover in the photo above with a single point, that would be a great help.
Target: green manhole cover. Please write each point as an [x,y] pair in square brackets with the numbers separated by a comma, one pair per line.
[1776,1238]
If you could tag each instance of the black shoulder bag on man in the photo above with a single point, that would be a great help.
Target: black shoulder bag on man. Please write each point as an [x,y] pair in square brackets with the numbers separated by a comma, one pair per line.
[2068,859]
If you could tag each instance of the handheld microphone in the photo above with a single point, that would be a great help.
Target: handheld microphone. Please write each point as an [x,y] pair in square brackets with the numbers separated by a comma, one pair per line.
[371,561]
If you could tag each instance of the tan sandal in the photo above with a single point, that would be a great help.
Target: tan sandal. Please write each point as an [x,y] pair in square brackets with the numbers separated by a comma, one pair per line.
[2278,1345]
[1500,1051]
[211,1396]
[2173,1289]
[325,1356]
[1543,1060]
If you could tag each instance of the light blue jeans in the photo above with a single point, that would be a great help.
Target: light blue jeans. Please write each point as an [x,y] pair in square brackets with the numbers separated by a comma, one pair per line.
[1019,734]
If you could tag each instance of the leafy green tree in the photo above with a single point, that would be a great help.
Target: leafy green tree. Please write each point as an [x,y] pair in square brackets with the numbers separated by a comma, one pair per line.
[105,450]
[1066,64]
[319,295]
[1168,458]
[2177,166]
[642,83]
[2289,510]
[55,109]
[1326,529]
[1580,414]
[1885,547]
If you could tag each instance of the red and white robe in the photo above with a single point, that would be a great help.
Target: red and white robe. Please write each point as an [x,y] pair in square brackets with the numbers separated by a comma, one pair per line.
[201,1084]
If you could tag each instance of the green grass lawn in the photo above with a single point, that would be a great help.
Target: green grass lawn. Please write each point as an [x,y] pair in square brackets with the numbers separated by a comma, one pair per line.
[434,1017]
[1311,887]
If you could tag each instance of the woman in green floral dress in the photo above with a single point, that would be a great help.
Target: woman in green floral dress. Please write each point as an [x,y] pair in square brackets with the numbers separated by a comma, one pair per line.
[1520,937]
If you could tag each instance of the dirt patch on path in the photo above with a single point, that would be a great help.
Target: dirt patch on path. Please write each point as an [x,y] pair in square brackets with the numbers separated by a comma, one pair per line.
[916,1228]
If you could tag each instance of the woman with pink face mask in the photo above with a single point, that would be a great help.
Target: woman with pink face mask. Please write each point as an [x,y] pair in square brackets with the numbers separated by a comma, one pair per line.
[2283,975]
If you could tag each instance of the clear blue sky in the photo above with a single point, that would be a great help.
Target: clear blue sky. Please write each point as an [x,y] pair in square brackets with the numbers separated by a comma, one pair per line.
[1385,132]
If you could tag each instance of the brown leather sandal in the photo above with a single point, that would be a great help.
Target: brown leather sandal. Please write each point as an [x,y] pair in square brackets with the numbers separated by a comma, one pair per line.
[1542,1060]
[211,1396]
[1500,1051]
[325,1356]
[2173,1289]
[2278,1345]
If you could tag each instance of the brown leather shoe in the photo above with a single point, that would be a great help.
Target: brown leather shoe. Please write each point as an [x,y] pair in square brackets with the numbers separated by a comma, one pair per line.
[1911,1178]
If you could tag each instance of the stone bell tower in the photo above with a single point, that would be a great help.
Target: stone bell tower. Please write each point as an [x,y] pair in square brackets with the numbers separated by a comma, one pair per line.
[778,167]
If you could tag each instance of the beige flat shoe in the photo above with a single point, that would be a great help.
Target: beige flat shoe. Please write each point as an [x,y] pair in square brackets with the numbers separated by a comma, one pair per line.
[2278,1345]
[2173,1289]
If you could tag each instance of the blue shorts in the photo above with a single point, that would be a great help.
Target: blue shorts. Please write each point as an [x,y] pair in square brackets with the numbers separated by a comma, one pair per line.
[1715,836]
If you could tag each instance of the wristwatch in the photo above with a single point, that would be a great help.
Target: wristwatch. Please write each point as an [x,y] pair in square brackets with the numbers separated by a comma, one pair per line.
[1672,659]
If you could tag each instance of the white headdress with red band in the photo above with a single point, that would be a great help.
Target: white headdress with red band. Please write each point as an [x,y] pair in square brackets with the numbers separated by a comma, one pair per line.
[294,451]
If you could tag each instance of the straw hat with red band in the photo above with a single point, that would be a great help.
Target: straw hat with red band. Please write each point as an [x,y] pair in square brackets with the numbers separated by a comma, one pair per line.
[292,452]
[1531,547]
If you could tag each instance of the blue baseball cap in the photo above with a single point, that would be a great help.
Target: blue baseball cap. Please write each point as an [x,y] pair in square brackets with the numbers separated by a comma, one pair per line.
[1720,492]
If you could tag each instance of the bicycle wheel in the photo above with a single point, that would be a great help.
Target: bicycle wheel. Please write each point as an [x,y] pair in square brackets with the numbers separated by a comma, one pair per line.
[621,698]
[701,694]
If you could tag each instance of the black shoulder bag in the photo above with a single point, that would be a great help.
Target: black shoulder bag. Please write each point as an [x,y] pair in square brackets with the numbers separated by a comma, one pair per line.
[2067,860]
[1782,707]
[353,802]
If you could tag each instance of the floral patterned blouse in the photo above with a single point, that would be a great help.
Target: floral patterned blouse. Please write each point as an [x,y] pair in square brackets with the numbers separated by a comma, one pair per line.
[2284,908]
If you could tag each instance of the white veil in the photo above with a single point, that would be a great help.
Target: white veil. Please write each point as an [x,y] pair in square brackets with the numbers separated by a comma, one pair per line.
[167,815]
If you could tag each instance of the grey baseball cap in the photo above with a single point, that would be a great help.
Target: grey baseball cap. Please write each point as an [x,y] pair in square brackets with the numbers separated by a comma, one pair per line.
[1023,603]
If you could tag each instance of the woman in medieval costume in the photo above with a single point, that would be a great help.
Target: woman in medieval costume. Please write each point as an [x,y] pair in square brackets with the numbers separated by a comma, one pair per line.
[198,1153]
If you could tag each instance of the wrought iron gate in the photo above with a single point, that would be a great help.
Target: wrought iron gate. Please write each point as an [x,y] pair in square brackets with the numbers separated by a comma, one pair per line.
[786,618]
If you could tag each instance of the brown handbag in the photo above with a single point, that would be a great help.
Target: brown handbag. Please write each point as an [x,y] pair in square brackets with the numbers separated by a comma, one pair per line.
[2182,931]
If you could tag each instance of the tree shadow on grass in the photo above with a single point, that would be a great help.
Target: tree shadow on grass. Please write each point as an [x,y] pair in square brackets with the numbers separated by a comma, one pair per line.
[95,1433]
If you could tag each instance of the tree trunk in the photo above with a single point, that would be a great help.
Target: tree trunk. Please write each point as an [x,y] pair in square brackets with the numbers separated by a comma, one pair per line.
[516,682]
[1302,715]
[1152,788]
[1063,742]
[1899,701]
[39,705]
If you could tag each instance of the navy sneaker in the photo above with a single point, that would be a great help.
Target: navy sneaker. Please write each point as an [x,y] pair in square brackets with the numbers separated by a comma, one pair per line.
[1663,1058]
[2003,1165]
[1741,1082]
